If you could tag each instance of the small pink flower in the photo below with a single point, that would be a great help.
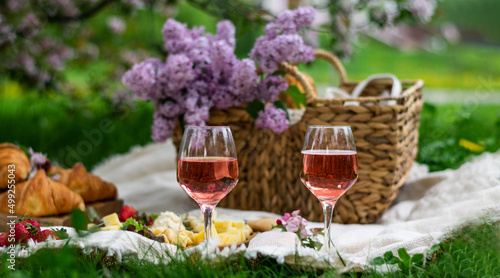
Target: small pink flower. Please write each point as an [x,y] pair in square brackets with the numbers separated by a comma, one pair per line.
[304,223]
[295,213]
[278,221]
[293,225]
[304,233]
[286,217]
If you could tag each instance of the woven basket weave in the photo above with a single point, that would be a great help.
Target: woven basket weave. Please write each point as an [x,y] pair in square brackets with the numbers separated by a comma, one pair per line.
[386,138]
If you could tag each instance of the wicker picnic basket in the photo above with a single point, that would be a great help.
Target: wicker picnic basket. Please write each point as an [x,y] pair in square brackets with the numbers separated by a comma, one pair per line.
[386,138]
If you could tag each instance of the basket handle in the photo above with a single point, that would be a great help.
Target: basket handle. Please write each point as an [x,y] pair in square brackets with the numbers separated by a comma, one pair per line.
[334,61]
[294,71]
[321,54]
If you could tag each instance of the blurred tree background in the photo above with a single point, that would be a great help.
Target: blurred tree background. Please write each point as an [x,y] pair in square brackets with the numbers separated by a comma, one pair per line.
[62,63]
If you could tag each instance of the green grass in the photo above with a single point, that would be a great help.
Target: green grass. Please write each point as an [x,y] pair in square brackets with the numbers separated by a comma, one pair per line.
[71,262]
[473,251]
[71,130]
[442,127]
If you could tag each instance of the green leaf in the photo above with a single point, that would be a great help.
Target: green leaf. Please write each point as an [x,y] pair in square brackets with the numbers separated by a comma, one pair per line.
[299,99]
[317,245]
[388,255]
[378,261]
[402,266]
[132,221]
[62,233]
[433,249]
[254,107]
[79,220]
[154,216]
[418,259]
[403,255]
[280,73]
[394,260]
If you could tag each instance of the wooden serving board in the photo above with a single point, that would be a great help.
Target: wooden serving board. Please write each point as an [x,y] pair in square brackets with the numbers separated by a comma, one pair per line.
[102,208]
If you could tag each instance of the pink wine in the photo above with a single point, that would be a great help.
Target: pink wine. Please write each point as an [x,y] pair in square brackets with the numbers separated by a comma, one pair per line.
[329,173]
[207,179]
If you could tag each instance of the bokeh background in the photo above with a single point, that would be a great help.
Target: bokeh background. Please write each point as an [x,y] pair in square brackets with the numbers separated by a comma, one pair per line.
[62,63]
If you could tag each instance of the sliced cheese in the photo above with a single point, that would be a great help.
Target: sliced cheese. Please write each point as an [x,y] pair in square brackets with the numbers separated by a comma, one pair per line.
[112,220]
[239,224]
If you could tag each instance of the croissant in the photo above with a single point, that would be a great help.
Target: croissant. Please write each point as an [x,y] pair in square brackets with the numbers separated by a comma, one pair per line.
[11,155]
[89,186]
[59,174]
[41,196]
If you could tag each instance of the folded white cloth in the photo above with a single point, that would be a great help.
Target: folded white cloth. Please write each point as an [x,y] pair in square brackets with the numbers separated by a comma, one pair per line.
[333,92]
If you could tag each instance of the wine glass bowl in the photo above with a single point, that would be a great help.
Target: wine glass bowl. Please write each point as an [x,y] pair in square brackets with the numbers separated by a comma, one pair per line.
[329,167]
[207,167]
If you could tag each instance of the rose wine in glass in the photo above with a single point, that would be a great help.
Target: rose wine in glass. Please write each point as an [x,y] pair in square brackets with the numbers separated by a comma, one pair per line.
[207,168]
[329,167]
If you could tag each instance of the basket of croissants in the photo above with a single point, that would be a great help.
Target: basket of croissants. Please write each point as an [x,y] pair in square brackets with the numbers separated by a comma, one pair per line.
[51,191]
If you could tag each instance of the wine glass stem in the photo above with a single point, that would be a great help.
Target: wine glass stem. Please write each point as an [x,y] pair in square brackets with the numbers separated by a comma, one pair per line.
[207,210]
[328,211]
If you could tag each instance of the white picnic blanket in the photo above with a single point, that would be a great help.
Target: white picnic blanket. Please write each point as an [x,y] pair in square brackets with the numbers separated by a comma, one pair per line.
[428,208]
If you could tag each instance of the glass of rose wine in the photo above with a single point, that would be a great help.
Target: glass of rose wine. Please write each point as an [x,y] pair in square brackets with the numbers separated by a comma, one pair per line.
[207,167]
[329,167]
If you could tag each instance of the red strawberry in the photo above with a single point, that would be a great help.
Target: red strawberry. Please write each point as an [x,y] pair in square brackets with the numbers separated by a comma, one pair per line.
[33,223]
[21,233]
[127,212]
[43,235]
[26,229]
[4,239]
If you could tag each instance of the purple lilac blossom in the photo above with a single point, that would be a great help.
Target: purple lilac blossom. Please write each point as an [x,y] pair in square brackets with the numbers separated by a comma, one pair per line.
[175,73]
[290,22]
[244,81]
[273,118]
[176,36]
[197,117]
[37,160]
[199,54]
[170,109]
[142,79]
[162,127]
[281,42]
[270,87]
[202,72]
[226,32]
[223,60]
[223,97]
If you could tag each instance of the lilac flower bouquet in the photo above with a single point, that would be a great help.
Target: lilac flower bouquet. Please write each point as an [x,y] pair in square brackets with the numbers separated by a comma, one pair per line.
[202,72]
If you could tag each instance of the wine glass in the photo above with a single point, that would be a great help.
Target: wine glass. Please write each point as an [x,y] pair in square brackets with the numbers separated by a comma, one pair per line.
[329,167]
[207,167]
